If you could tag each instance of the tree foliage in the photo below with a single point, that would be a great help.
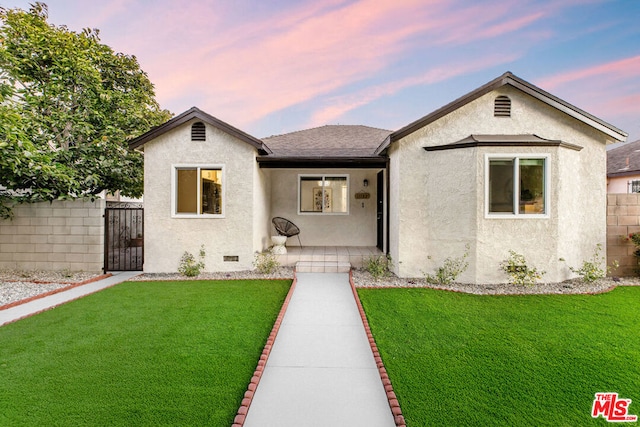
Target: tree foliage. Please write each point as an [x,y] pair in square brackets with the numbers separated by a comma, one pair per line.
[68,106]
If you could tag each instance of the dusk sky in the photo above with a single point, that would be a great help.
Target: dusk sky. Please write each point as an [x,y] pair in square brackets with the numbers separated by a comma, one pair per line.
[275,66]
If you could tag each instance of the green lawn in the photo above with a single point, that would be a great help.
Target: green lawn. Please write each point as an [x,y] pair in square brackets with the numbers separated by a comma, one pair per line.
[466,360]
[140,353]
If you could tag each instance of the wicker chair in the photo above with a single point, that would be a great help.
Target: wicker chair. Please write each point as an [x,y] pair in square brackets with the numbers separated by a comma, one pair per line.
[284,227]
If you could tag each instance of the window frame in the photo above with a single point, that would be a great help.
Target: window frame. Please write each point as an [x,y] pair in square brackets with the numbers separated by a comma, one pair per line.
[321,177]
[198,168]
[516,157]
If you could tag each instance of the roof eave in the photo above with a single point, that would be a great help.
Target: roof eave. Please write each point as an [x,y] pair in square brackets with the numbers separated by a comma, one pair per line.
[623,174]
[196,113]
[510,79]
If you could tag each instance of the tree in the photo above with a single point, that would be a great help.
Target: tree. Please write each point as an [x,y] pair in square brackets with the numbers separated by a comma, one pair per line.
[68,106]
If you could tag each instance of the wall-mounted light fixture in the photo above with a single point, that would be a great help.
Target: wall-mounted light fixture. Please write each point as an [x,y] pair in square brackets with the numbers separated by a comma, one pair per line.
[365,182]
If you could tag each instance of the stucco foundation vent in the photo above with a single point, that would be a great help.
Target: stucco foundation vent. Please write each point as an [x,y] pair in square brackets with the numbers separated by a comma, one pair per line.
[230,258]
[502,107]
[198,132]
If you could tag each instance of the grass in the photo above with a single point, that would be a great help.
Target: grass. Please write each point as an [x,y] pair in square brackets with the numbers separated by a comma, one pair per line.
[140,353]
[466,360]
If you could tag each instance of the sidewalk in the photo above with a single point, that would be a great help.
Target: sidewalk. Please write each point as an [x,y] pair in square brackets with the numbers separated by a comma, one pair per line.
[41,304]
[321,370]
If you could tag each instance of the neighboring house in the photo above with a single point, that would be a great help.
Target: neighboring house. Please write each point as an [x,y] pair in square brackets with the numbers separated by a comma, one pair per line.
[623,168]
[505,167]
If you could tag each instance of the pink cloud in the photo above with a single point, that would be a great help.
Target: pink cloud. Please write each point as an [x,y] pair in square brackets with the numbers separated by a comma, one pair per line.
[511,26]
[341,105]
[285,65]
[621,69]
[610,90]
[311,49]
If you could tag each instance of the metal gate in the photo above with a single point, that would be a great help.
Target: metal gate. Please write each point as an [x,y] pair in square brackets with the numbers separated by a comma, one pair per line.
[124,237]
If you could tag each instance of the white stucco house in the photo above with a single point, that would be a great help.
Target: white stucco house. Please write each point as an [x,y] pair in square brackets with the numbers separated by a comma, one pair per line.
[507,166]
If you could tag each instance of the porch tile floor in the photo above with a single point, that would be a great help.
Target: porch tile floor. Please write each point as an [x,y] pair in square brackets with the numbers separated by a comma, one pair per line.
[327,259]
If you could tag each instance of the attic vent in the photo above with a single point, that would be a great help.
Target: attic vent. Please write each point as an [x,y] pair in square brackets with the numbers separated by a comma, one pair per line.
[502,107]
[198,132]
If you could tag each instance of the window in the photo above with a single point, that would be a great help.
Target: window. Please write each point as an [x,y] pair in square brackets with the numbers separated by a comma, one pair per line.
[502,106]
[198,132]
[634,186]
[198,190]
[323,194]
[517,185]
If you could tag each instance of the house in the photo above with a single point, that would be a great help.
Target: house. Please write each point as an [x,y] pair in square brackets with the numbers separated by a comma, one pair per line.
[623,168]
[507,166]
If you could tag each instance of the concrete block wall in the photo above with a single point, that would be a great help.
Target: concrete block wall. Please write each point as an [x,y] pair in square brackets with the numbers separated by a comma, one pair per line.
[54,236]
[623,218]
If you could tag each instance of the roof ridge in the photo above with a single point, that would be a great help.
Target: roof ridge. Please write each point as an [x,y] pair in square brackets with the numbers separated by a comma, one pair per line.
[325,126]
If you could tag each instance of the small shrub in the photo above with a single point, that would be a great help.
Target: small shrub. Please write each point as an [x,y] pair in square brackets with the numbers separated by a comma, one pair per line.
[591,270]
[450,270]
[266,263]
[518,270]
[379,266]
[189,266]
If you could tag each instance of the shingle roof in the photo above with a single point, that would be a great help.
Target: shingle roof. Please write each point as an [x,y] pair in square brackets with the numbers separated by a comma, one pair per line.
[334,141]
[624,160]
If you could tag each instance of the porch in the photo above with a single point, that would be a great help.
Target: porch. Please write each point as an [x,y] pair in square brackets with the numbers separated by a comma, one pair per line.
[327,259]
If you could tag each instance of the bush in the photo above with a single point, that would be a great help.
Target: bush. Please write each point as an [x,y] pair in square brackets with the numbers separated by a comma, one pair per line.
[379,266]
[592,270]
[450,269]
[189,266]
[266,263]
[518,270]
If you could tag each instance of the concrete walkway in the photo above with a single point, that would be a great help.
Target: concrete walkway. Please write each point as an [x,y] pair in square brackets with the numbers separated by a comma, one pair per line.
[41,304]
[321,370]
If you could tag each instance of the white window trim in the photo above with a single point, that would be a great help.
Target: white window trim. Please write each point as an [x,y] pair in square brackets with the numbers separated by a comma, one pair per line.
[516,157]
[323,176]
[174,190]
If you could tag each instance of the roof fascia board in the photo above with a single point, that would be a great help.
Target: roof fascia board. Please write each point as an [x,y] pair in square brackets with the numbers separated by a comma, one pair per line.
[452,106]
[567,108]
[623,174]
[506,78]
[196,113]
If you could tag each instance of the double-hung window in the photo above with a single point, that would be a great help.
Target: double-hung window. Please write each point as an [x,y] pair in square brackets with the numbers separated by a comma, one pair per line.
[198,191]
[323,194]
[517,185]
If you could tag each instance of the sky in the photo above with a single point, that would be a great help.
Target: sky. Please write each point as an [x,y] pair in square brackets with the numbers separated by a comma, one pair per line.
[271,67]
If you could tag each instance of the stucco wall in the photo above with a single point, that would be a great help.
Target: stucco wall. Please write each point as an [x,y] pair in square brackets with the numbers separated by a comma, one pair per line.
[441,205]
[166,237]
[358,228]
[63,235]
[262,209]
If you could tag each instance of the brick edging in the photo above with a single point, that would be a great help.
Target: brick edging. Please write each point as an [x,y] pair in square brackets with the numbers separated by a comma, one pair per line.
[386,382]
[241,415]
[55,291]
